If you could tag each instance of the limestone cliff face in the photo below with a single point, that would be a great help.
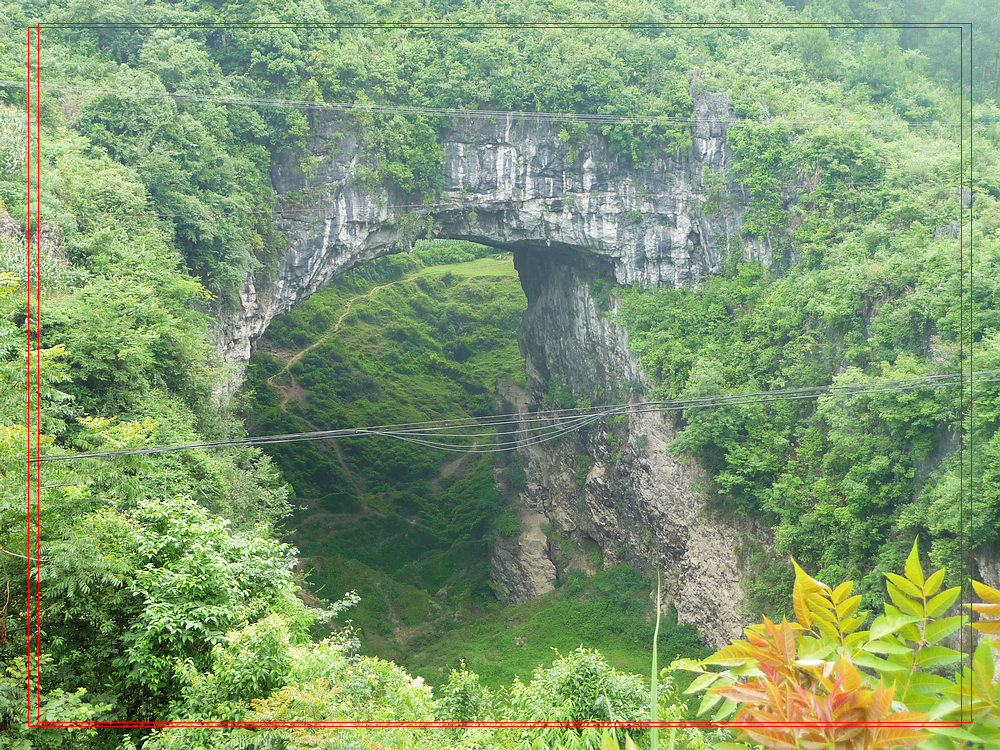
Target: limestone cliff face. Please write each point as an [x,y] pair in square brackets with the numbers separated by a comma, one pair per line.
[508,183]
[611,487]
[986,561]
[572,215]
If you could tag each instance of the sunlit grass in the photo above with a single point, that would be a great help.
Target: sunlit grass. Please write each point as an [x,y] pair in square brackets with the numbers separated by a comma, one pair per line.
[490,266]
[611,612]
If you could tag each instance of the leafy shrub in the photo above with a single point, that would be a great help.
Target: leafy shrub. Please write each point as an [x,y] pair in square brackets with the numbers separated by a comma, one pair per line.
[13,140]
[822,675]
[116,589]
[579,689]
[463,699]
[560,394]
[508,523]
[444,252]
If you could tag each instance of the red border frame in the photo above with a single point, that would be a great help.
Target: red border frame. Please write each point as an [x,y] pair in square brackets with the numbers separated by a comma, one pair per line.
[964,554]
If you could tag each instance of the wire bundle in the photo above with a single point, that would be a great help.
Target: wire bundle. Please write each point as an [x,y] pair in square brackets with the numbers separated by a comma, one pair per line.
[508,432]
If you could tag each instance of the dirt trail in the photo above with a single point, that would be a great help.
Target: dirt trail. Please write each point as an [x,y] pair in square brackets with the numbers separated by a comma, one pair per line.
[294,390]
[289,390]
[448,468]
[358,482]
[305,591]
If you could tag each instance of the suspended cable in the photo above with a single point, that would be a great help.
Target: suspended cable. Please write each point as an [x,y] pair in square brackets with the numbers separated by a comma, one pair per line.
[365,107]
[429,427]
[515,444]
[632,408]
[434,433]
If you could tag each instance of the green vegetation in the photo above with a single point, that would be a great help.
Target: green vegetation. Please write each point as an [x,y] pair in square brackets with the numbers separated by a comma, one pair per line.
[610,611]
[408,528]
[868,291]
[141,581]
[418,336]
[165,592]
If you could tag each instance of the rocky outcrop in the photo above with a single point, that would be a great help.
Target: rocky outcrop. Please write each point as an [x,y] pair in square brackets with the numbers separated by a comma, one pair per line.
[49,242]
[572,214]
[613,487]
[10,228]
[986,568]
[508,183]
[986,561]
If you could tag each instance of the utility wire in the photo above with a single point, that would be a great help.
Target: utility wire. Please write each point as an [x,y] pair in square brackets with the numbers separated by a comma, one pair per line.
[429,427]
[349,107]
[434,433]
[516,444]
[437,428]
[411,433]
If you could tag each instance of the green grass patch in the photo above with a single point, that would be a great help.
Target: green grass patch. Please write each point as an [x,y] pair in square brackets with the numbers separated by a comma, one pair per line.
[500,265]
[611,611]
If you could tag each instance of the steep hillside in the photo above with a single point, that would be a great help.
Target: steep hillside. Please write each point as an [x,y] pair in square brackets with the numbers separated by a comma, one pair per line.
[420,336]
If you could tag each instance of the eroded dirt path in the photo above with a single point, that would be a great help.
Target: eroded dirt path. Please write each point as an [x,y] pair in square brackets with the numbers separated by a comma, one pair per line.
[289,389]
[293,389]
[450,467]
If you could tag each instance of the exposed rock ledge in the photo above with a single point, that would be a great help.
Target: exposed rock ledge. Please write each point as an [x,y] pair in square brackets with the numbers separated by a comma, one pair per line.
[508,183]
[613,487]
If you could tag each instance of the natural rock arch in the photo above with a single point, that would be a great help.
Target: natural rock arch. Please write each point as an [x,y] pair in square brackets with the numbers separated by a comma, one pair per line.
[508,183]
[569,219]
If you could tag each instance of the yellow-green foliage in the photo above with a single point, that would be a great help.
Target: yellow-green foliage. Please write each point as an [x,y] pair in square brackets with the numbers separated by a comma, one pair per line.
[825,673]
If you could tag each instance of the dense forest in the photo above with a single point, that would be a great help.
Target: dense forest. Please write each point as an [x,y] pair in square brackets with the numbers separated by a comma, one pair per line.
[345,581]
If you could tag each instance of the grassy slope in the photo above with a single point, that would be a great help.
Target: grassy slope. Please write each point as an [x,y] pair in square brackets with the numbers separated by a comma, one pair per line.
[610,611]
[372,513]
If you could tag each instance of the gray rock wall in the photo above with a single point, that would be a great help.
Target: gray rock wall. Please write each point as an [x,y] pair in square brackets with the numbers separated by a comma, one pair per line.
[613,487]
[508,183]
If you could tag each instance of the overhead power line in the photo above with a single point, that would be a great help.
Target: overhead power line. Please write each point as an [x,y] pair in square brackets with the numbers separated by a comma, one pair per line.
[410,109]
[522,429]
